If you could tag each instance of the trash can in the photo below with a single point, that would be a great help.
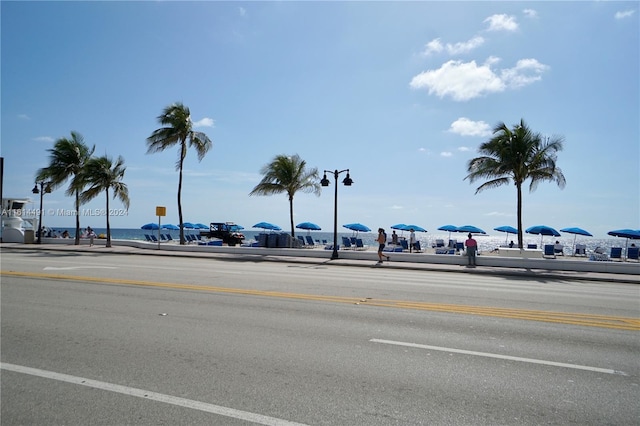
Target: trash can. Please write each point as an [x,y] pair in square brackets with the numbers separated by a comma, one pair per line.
[29,236]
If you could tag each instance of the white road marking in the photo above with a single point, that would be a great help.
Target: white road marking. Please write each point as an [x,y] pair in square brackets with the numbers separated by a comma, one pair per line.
[498,356]
[141,393]
[68,268]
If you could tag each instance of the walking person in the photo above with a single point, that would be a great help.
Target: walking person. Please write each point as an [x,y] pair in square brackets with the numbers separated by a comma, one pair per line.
[412,239]
[91,235]
[472,248]
[382,239]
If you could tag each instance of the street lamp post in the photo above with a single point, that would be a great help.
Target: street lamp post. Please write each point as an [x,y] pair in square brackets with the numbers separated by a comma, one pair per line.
[325,182]
[44,187]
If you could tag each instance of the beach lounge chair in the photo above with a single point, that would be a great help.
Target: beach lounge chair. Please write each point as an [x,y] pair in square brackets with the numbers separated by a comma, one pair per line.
[310,242]
[346,242]
[163,238]
[581,250]
[633,253]
[360,245]
[549,252]
[153,238]
[439,243]
[300,241]
[459,246]
[532,246]
[169,237]
[148,238]
[445,250]
[616,253]
[417,248]
[405,244]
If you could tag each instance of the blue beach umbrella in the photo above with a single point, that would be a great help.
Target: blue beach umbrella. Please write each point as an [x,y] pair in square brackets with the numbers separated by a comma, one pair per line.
[150,226]
[267,225]
[576,232]
[633,234]
[400,227]
[169,226]
[309,226]
[470,229]
[449,229]
[201,226]
[188,225]
[508,230]
[358,227]
[542,230]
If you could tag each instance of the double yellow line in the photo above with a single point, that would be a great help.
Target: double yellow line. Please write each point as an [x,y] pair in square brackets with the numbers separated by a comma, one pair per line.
[589,320]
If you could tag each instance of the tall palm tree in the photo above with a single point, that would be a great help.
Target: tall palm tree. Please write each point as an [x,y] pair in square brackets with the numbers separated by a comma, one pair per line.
[178,130]
[515,155]
[102,175]
[67,159]
[287,174]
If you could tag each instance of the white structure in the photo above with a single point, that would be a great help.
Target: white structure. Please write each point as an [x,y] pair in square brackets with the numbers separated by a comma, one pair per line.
[14,218]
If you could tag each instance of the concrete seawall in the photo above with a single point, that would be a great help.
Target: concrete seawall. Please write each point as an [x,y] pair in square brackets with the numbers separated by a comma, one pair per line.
[490,260]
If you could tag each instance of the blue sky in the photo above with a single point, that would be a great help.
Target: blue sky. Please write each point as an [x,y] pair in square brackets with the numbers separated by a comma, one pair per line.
[400,93]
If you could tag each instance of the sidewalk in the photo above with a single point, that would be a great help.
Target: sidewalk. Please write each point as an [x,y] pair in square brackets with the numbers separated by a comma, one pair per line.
[292,258]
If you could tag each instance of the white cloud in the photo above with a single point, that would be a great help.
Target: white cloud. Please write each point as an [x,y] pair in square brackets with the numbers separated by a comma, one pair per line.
[463,81]
[501,23]
[464,149]
[44,139]
[465,127]
[205,122]
[530,13]
[434,46]
[446,154]
[242,11]
[624,14]
[500,214]
[524,73]
[464,47]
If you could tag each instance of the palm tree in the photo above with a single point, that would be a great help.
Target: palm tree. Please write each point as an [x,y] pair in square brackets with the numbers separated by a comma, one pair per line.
[178,129]
[67,159]
[515,155]
[102,175]
[287,174]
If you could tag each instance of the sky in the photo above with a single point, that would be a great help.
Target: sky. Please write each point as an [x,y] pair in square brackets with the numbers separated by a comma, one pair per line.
[400,93]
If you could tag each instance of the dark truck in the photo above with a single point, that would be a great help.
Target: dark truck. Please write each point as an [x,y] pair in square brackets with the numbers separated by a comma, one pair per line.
[228,232]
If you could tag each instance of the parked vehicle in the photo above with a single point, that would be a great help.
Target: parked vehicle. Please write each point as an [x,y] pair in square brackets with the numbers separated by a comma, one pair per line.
[228,232]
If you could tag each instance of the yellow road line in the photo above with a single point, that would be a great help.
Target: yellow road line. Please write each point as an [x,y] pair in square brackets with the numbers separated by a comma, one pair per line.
[590,320]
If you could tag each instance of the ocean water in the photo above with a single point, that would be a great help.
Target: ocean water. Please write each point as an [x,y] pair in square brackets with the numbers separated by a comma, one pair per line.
[485,242]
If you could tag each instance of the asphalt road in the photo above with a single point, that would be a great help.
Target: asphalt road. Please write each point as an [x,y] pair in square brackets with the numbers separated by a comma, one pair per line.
[127,339]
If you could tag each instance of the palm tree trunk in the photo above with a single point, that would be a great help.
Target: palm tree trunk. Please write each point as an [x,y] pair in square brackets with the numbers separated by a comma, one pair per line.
[182,154]
[293,232]
[519,212]
[108,226]
[77,240]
